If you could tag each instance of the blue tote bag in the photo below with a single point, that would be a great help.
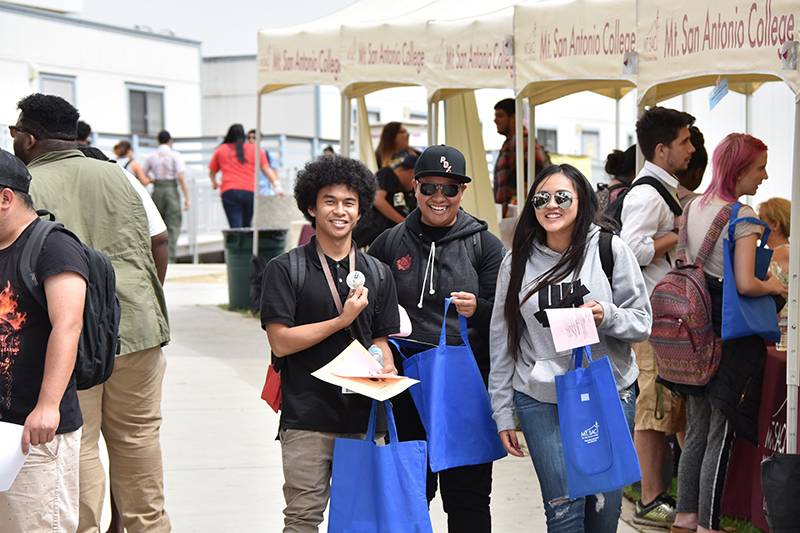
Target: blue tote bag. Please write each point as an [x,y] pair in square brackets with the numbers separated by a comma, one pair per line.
[744,315]
[379,489]
[452,402]
[598,449]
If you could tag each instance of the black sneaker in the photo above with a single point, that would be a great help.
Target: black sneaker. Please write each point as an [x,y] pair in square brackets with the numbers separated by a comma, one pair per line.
[659,513]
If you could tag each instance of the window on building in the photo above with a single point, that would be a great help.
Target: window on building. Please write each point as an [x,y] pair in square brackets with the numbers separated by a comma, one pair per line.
[590,143]
[146,105]
[548,138]
[58,85]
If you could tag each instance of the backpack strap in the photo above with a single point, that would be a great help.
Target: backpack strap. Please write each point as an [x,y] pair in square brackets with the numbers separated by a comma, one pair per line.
[607,255]
[711,237]
[474,249]
[297,269]
[394,237]
[375,269]
[655,183]
[30,258]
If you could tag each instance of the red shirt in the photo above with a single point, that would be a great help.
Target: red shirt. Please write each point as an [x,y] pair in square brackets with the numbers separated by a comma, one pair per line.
[236,175]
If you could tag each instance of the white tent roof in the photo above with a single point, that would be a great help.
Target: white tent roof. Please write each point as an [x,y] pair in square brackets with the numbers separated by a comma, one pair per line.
[688,45]
[563,47]
[313,53]
[472,52]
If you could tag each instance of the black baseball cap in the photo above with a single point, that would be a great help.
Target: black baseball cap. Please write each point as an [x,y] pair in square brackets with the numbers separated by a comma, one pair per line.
[13,172]
[443,161]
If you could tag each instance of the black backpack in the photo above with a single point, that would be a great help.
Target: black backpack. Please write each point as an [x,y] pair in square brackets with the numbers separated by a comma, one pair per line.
[297,269]
[99,341]
[396,233]
[613,213]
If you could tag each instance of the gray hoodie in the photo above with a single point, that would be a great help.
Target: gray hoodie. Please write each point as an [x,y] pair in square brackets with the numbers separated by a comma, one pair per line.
[627,318]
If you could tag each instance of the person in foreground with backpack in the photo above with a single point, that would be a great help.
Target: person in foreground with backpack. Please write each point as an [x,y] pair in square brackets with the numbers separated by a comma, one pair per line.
[441,251]
[38,348]
[95,200]
[647,213]
[310,315]
[560,258]
[728,405]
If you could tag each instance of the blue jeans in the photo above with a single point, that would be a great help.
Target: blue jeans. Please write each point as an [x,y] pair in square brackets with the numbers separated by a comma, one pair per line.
[238,207]
[539,423]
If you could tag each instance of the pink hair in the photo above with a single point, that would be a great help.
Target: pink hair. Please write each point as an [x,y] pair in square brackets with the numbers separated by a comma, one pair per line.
[731,158]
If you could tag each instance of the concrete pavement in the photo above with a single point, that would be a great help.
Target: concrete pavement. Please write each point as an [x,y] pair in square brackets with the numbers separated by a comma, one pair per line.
[222,464]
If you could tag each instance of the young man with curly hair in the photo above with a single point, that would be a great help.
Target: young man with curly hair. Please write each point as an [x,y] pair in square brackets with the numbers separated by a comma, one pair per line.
[306,329]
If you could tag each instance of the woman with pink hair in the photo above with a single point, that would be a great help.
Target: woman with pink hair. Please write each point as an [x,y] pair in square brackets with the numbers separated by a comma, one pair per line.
[728,405]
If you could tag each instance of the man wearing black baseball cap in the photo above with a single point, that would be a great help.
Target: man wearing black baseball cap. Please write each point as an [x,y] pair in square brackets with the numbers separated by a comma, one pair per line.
[38,347]
[439,252]
[394,200]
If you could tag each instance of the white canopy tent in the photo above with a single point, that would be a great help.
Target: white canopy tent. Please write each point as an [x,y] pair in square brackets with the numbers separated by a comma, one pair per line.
[314,54]
[563,48]
[690,45]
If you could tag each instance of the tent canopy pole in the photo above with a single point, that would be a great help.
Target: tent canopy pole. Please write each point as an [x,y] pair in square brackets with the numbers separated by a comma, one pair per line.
[792,359]
[520,155]
[257,159]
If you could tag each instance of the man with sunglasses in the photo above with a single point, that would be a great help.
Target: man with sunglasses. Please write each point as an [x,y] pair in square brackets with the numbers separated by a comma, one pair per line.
[441,251]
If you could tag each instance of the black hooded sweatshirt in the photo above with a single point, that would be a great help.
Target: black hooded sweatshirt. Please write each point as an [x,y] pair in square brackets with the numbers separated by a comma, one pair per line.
[453,271]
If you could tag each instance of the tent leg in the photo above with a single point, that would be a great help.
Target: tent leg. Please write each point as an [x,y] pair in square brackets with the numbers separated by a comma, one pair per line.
[255,175]
[431,124]
[520,155]
[639,154]
[346,126]
[437,106]
[531,144]
[792,359]
[617,132]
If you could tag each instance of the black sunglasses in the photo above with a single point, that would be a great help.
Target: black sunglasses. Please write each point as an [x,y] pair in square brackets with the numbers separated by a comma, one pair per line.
[14,129]
[450,190]
[563,199]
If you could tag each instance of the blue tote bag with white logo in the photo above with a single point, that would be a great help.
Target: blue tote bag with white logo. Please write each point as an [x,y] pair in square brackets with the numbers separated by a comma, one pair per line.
[744,315]
[379,489]
[452,402]
[598,449]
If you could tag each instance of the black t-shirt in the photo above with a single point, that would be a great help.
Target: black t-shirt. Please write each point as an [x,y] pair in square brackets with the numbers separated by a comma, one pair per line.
[25,329]
[307,402]
[403,201]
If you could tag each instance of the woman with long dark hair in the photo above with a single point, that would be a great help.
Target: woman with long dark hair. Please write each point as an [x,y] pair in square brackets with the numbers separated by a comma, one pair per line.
[555,261]
[235,159]
[393,145]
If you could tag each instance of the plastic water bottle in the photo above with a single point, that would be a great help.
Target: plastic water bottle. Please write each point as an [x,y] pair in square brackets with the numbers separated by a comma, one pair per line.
[377,353]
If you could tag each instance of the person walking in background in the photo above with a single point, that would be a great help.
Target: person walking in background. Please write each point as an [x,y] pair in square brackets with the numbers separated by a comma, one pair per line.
[328,151]
[777,212]
[37,358]
[621,167]
[393,145]
[439,251]
[235,160]
[309,320]
[394,200]
[95,200]
[124,153]
[166,170]
[557,246]
[505,167]
[728,405]
[689,180]
[649,226]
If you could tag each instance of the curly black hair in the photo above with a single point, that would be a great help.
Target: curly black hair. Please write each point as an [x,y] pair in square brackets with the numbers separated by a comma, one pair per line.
[49,116]
[334,170]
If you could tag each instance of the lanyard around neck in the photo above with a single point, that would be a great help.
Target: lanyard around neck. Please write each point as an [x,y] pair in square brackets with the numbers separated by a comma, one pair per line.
[337,299]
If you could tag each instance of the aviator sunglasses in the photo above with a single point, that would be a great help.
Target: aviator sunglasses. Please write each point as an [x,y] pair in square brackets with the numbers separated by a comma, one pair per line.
[542,199]
[450,190]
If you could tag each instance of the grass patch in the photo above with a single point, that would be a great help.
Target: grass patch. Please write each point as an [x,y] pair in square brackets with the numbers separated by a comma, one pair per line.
[632,493]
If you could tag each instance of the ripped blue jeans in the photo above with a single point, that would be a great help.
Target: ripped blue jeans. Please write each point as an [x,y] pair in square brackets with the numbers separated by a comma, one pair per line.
[591,514]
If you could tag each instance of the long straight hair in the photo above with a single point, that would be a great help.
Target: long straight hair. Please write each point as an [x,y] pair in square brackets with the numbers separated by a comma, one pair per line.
[236,136]
[529,232]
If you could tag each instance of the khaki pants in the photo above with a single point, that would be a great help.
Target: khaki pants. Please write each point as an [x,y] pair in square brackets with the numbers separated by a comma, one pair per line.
[44,495]
[127,409]
[657,408]
[168,202]
[307,465]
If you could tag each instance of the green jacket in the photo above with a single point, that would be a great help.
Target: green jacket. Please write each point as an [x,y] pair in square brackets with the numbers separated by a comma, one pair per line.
[96,201]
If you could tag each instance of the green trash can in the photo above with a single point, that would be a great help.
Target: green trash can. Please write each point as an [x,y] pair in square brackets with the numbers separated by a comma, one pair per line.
[238,259]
